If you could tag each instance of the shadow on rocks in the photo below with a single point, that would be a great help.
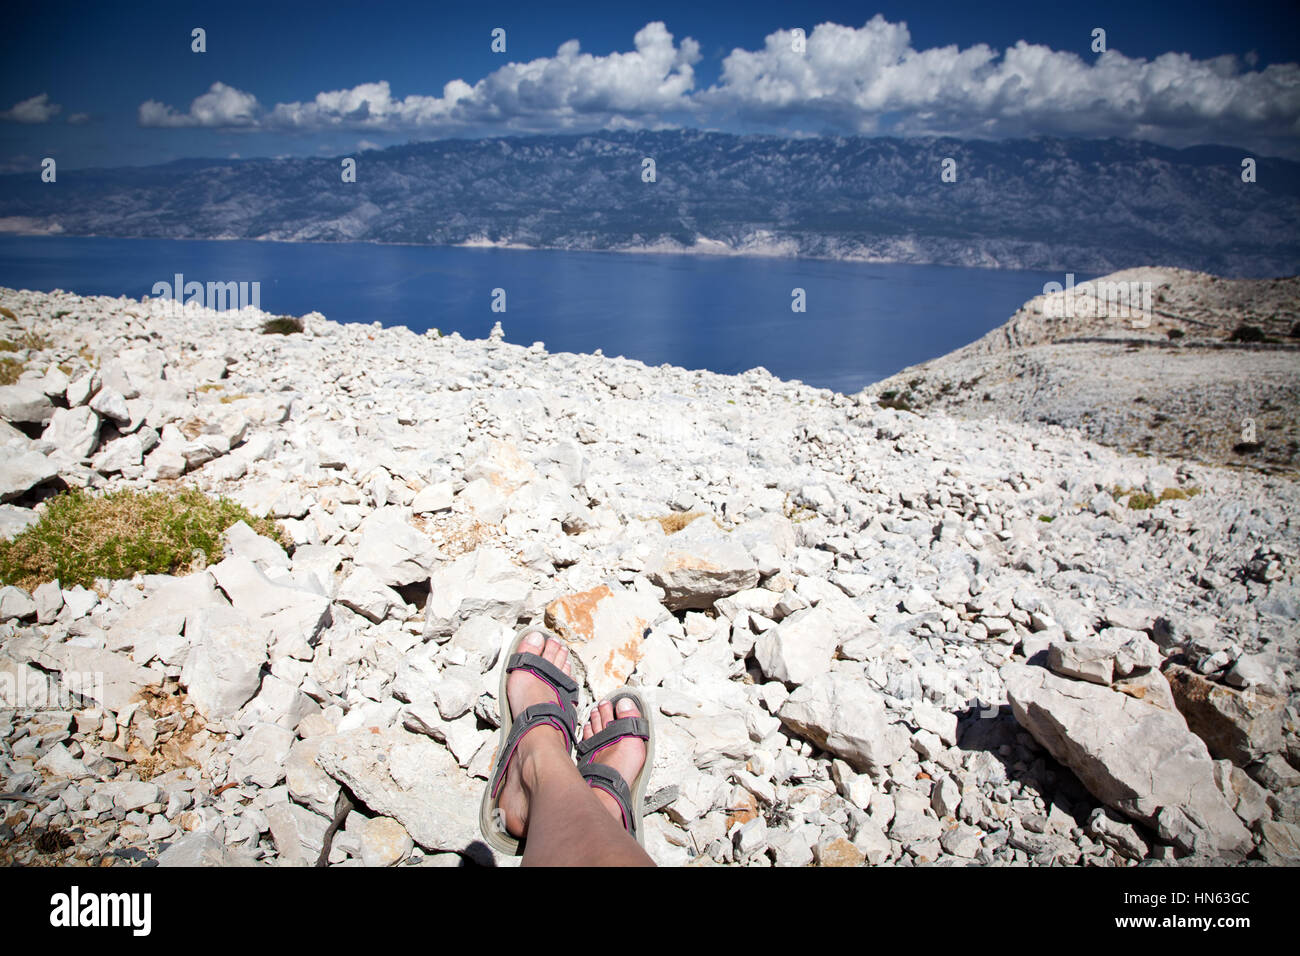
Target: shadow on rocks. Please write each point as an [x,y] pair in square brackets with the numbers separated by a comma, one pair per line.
[1023,760]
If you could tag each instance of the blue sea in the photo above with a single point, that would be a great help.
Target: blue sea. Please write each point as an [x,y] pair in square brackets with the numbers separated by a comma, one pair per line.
[862,322]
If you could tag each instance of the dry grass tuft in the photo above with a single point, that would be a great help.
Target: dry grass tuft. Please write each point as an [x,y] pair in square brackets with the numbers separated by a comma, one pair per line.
[672,523]
[10,371]
[28,340]
[176,723]
[456,534]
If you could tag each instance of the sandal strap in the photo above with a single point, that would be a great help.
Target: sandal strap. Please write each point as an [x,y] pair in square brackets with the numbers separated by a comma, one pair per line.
[604,777]
[566,687]
[614,731]
[545,713]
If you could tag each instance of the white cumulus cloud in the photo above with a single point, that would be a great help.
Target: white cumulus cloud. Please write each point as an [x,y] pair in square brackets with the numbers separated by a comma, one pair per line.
[37,109]
[871,79]
[868,79]
[221,107]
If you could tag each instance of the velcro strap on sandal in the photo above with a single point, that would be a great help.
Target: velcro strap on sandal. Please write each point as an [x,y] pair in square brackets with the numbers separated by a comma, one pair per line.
[613,731]
[564,685]
[538,713]
[611,781]
[544,713]
[538,663]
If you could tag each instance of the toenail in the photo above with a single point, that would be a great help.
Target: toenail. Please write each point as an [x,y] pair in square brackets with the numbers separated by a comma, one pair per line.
[625,706]
[532,640]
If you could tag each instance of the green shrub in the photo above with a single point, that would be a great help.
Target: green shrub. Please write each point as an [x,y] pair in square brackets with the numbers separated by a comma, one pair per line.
[892,399]
[282,325]
[1247,333]
[82,536]
[1142,501]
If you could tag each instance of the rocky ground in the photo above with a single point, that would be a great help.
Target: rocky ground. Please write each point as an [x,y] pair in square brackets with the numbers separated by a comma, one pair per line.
[868,635]
[1168,383]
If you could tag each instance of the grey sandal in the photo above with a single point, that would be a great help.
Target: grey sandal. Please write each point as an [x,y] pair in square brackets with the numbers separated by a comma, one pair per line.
[562,714]
[630,798]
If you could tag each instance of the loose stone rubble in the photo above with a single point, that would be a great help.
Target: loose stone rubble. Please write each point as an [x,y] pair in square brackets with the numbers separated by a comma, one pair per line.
[869,637]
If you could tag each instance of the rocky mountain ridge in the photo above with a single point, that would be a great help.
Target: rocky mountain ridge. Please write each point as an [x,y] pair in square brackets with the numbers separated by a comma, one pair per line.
[1209,369]
[1042,203]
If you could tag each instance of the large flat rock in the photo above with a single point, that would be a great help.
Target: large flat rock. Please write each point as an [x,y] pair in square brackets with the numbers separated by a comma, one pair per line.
[846,716]
[23,470]
[604,629]
[1136,758]
[700,564]
[412,779]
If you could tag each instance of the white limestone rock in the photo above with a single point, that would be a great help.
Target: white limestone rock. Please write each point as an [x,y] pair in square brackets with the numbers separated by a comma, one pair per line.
[1136,758]
[260,755]
[410,778]
[393,549]
[74,432]
[800,647]
[364,592]
[700,564]
[23,403]
[16,604]
[22,471]
[224,666]
[846,717]
[484,581]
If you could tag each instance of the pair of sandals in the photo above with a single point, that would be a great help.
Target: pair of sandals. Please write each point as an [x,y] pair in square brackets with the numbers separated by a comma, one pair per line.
[563,715]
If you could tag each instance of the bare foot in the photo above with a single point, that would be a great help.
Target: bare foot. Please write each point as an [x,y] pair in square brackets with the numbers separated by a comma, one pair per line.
[627,756]
[523,690]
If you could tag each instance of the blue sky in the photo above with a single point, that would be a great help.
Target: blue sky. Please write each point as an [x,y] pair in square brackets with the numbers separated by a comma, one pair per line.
[105,84]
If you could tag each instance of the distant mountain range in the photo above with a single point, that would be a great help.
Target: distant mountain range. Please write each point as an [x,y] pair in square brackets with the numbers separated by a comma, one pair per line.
[1056,204]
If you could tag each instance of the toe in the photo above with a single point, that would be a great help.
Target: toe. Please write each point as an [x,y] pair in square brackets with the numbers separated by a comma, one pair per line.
[606,712]
[562,659]
[627,708]
[532,643]
[552,652]
[596,721]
